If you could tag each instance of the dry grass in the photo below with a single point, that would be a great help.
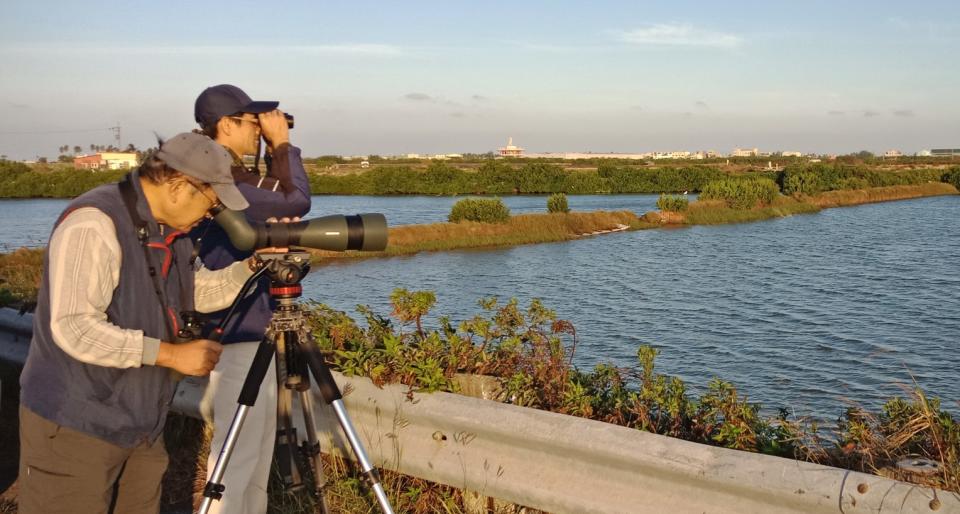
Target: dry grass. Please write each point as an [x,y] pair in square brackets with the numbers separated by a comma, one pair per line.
[905,430]
[845,198]
[521,229]
[20,273]
[716,212]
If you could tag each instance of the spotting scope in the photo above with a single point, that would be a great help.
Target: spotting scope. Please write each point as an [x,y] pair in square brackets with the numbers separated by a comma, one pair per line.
[364,232]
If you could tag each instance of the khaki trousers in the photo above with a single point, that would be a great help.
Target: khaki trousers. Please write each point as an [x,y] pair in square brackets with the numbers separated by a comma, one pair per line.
[66,471]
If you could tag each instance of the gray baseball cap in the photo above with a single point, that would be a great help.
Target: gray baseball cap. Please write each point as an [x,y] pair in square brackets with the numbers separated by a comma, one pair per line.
[204,159]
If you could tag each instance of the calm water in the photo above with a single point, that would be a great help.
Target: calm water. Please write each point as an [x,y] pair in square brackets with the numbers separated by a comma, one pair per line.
[808,312]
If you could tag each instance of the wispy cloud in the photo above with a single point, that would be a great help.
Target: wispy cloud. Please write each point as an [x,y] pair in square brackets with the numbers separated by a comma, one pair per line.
[458,114]
[700,104]
[665,34]
[835,113]
[870,114]
[903,113]
[347,49]
[479,98]
[419,97]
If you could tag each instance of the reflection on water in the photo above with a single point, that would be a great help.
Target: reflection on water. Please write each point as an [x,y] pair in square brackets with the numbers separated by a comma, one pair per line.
[809,312]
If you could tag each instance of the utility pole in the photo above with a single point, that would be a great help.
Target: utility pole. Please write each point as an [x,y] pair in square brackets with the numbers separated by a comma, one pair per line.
[116,135]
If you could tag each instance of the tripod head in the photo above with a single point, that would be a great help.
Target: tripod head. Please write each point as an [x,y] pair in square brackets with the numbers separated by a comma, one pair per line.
[285,269]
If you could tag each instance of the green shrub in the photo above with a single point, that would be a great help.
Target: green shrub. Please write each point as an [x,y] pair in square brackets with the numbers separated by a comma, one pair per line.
[557,203]
[952,177]
[484,210]
[804,182]
[741,193]
[673,203]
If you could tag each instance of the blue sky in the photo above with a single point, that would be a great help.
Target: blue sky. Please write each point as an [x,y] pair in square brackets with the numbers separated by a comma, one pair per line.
[452,76]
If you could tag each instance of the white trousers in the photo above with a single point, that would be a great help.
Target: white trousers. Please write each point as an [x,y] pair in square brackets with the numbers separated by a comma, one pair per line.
[248,471]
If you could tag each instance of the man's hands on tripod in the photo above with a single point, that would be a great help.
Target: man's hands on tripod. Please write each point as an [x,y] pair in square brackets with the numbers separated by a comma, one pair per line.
[196,358]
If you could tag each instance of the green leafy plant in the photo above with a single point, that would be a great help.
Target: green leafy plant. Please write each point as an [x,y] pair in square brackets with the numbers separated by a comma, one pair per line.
[557,202]
[741,193]
[673,203]
[952,177]
[484,210]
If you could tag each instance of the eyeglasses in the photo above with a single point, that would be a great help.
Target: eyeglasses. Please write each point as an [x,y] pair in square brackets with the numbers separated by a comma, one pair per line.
[214,203]
[255,121]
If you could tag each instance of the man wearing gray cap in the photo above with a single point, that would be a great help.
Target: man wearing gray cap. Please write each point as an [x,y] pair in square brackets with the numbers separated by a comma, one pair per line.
[237,122]
[97,382]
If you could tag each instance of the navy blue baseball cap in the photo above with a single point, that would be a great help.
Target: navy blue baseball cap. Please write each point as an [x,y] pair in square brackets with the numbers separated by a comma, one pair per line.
[224,100]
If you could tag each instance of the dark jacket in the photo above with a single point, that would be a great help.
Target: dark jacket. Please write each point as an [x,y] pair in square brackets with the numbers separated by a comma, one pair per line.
[122,406]
[283,192]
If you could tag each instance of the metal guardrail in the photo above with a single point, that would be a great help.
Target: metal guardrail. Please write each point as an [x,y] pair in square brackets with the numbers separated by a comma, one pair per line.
[564,464]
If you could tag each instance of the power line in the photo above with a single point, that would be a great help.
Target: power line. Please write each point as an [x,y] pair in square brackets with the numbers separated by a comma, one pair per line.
[57,131]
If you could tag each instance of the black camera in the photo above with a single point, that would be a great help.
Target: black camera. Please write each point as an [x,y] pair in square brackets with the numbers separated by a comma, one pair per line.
[192,327]
[289,118]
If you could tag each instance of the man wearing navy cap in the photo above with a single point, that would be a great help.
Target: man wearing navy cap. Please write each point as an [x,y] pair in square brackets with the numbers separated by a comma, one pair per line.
[233,119]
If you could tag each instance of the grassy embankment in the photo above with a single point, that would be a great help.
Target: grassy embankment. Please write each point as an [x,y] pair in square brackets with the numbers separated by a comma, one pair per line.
[714,212]
[519,229]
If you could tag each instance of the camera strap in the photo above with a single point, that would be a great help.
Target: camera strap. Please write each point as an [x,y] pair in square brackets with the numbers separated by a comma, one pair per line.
[129,196]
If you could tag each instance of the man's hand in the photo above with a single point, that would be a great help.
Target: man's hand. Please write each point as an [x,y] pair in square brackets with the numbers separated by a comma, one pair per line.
[273,127]
[196,358]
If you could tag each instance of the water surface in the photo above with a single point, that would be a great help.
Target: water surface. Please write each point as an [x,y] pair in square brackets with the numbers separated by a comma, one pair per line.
[813,313]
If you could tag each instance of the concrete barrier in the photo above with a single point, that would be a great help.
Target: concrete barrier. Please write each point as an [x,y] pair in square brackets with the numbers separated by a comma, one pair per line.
[564,464]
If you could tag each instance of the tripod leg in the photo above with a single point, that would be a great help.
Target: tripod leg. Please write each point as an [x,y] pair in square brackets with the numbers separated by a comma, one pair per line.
[331,394]
[248,397]
[312,449]
[287,442]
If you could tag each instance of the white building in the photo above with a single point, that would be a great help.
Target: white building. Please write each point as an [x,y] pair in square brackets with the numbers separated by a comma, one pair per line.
[510,150]
[745,152]
[586,155]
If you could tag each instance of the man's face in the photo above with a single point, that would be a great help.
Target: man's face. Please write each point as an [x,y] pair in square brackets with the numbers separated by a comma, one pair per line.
[192,203]
[248,133]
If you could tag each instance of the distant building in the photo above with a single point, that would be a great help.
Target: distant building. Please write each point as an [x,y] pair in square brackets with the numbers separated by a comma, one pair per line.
[571,156]
[791,154]
[923,153]
[106,160]
[945,152]
[745,152]
[510,150]
[892,154]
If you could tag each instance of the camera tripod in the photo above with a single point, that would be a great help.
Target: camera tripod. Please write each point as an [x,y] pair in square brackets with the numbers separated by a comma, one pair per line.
[287,340]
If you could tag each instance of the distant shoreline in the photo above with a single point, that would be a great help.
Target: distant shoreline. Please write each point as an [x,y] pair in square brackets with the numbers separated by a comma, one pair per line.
[20,270]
